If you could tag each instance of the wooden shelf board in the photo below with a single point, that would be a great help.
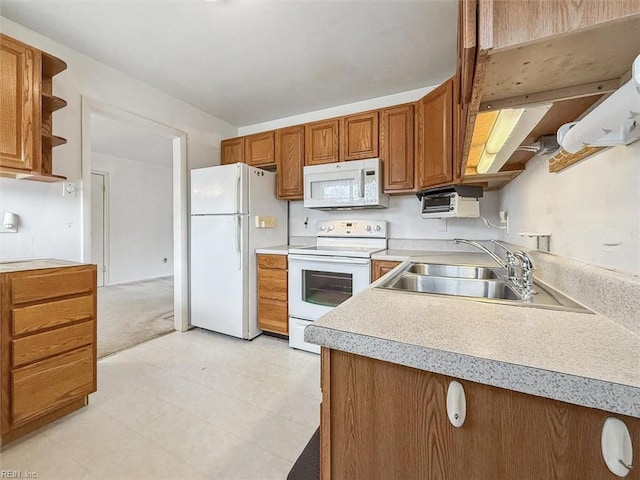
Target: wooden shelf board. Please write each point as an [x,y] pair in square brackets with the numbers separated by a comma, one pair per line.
[52,103]
[51,65]
[522,71]
[33,176]
[52,140]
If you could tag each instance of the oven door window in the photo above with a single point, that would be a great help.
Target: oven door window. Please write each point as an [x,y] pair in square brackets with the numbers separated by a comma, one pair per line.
[328,289]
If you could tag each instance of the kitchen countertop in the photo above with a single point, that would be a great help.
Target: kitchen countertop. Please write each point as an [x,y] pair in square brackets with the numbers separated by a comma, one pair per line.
[580,358]
[9,266]
[277,250]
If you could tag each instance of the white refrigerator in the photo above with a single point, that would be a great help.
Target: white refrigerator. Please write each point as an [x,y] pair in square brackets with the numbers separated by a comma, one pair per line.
[234,210]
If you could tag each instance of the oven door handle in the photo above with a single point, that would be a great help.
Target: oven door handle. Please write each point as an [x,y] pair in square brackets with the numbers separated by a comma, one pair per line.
[325,259]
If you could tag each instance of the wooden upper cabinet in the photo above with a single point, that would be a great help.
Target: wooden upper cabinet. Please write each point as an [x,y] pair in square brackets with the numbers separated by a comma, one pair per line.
[321,142]
[359,136]
[260,149]
[435,137]
[232,151]
[467,42]
[397,148]
[20,117]
[290,162]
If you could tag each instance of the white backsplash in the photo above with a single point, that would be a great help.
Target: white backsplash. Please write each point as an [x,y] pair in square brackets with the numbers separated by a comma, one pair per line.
[404,220]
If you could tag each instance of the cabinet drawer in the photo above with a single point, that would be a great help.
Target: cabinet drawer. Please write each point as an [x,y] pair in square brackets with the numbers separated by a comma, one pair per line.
[42,345]
[272,284]
[42,286]
[272,261]
[53,314]
[273,316]
[47,385]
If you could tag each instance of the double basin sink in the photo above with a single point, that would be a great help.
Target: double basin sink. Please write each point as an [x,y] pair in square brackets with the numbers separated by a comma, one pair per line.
[477,283]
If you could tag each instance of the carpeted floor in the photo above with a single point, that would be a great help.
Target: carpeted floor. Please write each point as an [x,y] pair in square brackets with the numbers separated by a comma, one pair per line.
[133,313]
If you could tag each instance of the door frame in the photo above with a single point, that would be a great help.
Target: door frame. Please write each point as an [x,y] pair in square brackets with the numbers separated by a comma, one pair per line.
[180,198]
[105,226]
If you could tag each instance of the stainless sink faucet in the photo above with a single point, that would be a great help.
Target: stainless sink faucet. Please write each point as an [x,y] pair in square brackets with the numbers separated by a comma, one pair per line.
[523,282]
[526,281]
[498,260]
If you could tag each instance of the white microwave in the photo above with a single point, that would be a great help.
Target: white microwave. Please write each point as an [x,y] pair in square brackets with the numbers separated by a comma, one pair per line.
[344,185]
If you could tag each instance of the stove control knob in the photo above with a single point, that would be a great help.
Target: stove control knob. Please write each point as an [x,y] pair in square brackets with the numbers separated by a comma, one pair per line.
[323,228]
[330,227]
[378,228]
[368,228]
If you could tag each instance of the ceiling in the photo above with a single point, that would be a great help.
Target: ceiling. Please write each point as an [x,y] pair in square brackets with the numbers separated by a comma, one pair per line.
[247,62]
[125,140]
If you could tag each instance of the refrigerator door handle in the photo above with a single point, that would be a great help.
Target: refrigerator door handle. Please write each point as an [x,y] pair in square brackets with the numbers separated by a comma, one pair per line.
[239,240]
[238,189]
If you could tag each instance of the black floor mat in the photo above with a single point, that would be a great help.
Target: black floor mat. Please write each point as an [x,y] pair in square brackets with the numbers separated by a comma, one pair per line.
[307,466]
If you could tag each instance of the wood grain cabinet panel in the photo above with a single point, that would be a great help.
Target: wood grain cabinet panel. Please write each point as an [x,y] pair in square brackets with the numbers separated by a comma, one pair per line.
[42,345]
[44,386]
[385,420]
[321,142]
[274,316]
[272,261]
[45,284]
[273,311]
[379,268]
[20,106]
[359,136]
[33,318]
[232,151]
[290,150]
[260,149]
[397,148]
[272,284]
[435,137]
[48,345]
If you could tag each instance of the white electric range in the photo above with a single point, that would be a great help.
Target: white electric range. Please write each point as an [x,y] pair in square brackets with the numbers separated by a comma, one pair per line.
[324,275]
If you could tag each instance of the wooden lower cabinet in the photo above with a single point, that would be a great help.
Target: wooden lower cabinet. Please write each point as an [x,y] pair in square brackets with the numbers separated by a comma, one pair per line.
[48,345]
[379,268]
[273,312]
[381,420]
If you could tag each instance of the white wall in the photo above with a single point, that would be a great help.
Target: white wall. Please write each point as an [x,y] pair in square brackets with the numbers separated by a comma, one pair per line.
[140,218]
[404,220]
[591,209]
[53,224]
[371,104]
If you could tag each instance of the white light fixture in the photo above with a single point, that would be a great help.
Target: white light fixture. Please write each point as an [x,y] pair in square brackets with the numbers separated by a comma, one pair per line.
[511,128]
[505,123]
[9,222]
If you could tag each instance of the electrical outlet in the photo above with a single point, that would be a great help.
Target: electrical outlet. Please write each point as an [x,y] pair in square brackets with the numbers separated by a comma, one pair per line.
[69,189]
[504,219]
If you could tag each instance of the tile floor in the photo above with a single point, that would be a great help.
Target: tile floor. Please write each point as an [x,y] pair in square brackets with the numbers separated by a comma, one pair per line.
[184,406]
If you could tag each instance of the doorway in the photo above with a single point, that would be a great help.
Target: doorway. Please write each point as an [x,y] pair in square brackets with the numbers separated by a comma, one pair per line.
[177,199]
[99,225]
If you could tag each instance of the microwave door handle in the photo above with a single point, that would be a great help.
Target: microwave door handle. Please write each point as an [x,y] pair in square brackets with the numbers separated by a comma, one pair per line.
[361,183]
